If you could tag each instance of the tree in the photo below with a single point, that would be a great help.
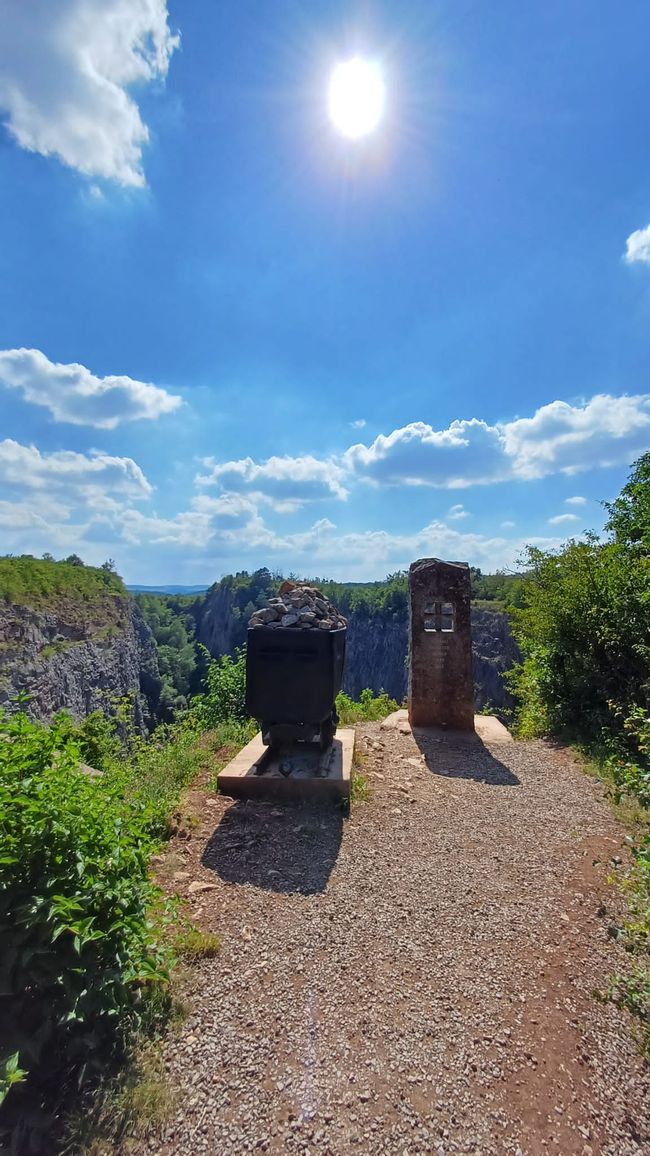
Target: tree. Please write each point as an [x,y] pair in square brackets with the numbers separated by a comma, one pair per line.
[629,514]
[109,566]
[74,560]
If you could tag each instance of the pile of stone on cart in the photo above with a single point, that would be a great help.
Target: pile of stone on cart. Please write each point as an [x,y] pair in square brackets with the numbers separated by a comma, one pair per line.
[299,606]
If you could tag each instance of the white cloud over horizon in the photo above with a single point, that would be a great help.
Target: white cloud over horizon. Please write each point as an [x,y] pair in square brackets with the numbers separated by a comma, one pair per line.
[66,74]
[230,517]
[75,395]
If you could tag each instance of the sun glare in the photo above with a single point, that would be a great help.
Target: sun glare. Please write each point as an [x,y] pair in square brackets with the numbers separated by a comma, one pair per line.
[357,95]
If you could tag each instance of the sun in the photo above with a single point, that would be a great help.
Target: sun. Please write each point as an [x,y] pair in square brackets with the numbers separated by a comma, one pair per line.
[357,95]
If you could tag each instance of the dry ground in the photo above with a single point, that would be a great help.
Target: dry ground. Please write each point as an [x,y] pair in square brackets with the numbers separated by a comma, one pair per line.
[416,978]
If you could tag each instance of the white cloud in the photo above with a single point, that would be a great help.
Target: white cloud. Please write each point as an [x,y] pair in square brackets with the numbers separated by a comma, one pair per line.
[280,479]
[576,501]
[563,519]
[563,438]
[466,453]
[637,247]
[359,423]
[507,525]
[458,511]
[66,68]
[73,394]
[81,477]
[558,438]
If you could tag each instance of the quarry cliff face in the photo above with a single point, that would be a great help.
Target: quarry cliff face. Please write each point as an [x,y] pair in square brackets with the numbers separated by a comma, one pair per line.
[376,651]
[377,657]
[78,660]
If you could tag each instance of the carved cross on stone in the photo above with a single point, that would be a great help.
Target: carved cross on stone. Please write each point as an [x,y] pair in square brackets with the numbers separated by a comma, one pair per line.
[441,685]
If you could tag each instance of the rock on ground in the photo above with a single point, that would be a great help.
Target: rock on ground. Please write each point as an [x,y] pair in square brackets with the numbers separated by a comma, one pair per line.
[417,978]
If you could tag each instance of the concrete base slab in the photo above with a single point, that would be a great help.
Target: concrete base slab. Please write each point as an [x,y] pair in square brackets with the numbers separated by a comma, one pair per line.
[297,772]
[487,729]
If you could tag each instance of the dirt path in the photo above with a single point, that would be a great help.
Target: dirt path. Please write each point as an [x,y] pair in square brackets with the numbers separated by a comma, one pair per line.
[417,978]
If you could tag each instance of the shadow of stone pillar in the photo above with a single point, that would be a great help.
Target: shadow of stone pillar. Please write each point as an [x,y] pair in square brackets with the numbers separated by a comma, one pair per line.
[441,685]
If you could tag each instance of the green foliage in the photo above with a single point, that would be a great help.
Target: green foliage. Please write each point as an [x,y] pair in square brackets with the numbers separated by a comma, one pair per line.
[499,590]
[171,621]
[81,950]
[369,708]
[584,629]
[224,699]
[192,943]
[28,581]
[359,787]
[629,514]
[585,633]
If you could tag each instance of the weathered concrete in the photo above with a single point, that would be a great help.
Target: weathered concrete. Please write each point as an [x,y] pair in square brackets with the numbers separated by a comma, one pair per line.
[307,772]
[441,687]
[487,728]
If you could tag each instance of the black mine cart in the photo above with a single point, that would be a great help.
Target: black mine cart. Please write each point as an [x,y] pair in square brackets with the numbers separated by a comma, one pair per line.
[292,679]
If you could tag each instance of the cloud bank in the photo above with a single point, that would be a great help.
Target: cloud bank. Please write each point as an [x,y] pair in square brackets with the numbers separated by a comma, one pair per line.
[558,439]
[66,70]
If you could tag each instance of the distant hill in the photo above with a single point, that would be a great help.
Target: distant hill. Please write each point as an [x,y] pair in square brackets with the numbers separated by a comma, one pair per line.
[168,589]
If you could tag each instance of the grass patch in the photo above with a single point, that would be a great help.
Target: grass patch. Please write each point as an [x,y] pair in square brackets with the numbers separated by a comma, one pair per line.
[191,943]
[359,787]
[631,990]
[133,1105]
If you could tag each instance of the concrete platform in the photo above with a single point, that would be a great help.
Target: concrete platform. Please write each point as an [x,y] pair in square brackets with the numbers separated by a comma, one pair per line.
[487,728]
[306,774]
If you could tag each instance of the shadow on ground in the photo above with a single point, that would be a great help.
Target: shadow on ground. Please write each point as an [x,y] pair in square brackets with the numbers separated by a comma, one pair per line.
[455,755]
[287,848]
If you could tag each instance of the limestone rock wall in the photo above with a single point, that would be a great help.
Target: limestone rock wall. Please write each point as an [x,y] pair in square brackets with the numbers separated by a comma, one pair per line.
[76,664]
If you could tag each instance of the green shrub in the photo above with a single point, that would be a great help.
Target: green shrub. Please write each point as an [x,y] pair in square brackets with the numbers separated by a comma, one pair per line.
[368,709]
[224,699]
[584,629]
[80,950]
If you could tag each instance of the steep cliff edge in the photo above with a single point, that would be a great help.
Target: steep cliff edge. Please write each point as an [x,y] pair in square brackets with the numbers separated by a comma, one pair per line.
[74,640]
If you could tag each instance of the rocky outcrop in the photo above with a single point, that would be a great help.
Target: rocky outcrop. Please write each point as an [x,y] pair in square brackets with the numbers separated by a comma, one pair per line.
[78,661]
[375,655]
[494,652]
[217,627]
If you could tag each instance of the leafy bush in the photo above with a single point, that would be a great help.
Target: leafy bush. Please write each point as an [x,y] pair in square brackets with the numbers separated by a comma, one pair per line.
[81,951]
[584,629]
[224,699]
[367,709]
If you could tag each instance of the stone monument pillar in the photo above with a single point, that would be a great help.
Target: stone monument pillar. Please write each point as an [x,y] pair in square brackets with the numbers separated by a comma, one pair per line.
[441,684]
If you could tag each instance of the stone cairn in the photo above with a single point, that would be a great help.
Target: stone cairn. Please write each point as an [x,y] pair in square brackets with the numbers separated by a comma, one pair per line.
[300,606]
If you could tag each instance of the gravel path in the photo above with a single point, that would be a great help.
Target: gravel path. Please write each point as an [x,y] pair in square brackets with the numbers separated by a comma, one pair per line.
[416,978]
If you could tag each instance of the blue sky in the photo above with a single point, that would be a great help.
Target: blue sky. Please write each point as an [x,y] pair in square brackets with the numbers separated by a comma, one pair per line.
[232,337]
